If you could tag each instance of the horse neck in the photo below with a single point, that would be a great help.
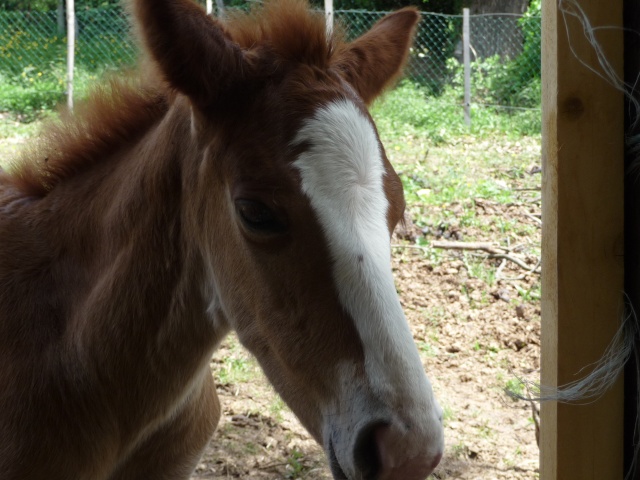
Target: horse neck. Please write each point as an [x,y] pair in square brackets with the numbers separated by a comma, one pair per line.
[126,280]
[155,268]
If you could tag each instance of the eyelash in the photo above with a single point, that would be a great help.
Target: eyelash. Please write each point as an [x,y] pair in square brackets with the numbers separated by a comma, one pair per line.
[259,218]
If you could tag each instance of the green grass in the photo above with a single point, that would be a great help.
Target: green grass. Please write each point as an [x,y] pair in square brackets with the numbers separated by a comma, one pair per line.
[484,430]
[427,349]
[447,167]
[447,414]
[410,110]
[531,294]
[14,134]
[277,407]
[33,63]
[295,467]
[239,366]
[12,128]
[34,92]
[478,268]
[515,386]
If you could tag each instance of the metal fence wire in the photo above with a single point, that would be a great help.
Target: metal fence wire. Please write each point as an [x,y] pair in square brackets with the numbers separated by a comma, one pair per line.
[28,39]
[505,50]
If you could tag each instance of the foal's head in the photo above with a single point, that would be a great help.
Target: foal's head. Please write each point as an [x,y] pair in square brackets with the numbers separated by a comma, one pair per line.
[294,202]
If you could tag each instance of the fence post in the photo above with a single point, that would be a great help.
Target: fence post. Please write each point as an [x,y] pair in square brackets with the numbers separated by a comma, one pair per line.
[466,57]
[209,6]
[71,47]
[328,11]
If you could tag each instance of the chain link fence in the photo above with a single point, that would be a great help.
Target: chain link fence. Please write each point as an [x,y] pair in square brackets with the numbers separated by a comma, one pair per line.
[505,52]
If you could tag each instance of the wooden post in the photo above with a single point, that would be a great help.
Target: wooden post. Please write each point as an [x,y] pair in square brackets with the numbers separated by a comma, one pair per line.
[582,239]
[466,57]
[71,47]
[328,11]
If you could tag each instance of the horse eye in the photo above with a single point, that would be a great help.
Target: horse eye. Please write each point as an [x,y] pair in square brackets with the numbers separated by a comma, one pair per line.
[259,218]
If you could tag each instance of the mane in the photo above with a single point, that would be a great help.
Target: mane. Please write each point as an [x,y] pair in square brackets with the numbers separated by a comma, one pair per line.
[122,108]
[115,113]
[289,28]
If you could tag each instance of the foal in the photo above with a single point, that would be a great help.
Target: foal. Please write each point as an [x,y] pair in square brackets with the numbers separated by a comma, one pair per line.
[241,186]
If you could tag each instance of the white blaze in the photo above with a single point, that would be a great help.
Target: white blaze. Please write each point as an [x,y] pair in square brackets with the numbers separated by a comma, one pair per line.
[342,174]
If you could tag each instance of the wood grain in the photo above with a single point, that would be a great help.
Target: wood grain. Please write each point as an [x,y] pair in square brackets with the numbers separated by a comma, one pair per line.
[582,278]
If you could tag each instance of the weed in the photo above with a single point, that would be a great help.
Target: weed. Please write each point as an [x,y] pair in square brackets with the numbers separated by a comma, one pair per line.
[477,268]
[447,414]
[427,349]
[511,462]
[435,315]
[277,407]
[484,430]
[295,468]
[238,366]
[515,386]
[234,370]
[251,448]
[465,291]
[458,450]
[531,294]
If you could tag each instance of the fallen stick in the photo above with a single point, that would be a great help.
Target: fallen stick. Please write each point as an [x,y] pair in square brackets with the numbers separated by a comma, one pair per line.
[515,260]
[408,245]
[483,246]
[533,217]
[494,251]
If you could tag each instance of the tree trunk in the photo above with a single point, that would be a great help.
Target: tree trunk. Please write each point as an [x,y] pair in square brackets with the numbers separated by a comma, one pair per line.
[495,29]
[60,13]
[220,8]
[498,6]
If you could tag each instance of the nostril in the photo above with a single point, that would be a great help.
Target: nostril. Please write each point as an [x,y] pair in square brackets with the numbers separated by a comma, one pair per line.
[366,454]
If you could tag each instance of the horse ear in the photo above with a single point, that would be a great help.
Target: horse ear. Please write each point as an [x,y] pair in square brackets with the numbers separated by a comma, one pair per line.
[192,50]
[373,61]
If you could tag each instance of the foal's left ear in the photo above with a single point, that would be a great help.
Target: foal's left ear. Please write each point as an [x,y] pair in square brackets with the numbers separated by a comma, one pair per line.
[373,61]
[194,53]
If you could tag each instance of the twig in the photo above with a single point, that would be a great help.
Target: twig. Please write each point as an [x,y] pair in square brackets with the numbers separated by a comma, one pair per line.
[515,260]
[493,250]
[488,247]
[512,279]
[500,268]
[272,465]
[533,217]
[535,413]
[408,245]
[519,246]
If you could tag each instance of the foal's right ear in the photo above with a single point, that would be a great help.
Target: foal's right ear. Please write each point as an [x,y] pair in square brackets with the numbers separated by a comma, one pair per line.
[373,61]
[193,52]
